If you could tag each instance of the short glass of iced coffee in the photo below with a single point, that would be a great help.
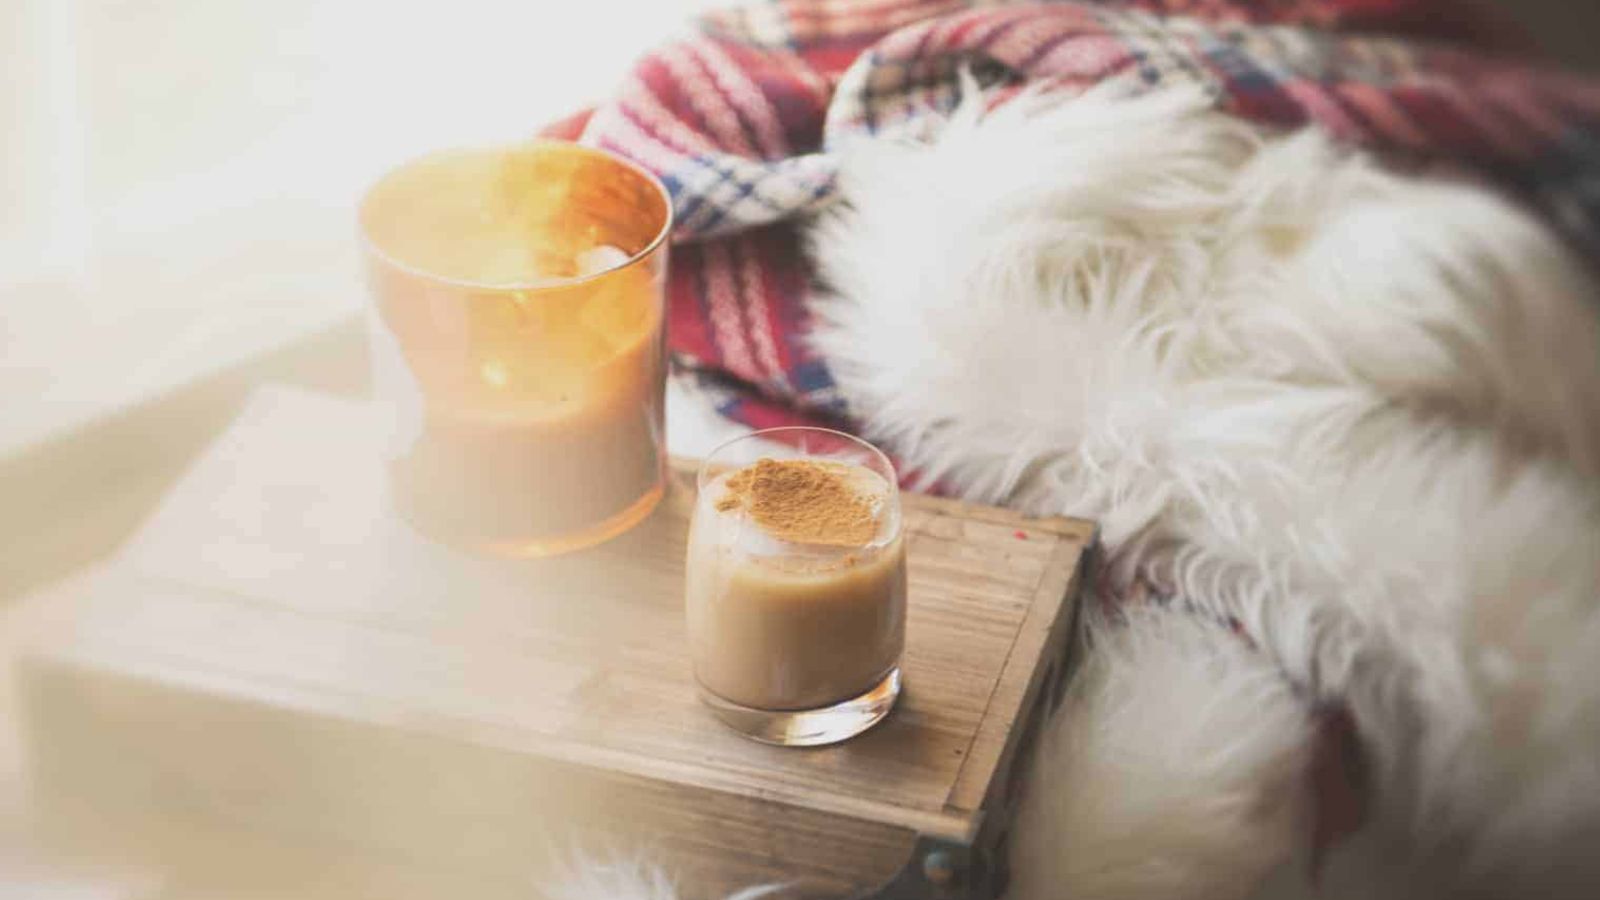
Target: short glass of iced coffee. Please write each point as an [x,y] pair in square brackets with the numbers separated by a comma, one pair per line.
[796,585]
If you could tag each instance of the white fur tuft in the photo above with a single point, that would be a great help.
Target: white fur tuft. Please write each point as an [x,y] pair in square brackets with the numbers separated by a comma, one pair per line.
[610,878]
[618,876]
[1138,796]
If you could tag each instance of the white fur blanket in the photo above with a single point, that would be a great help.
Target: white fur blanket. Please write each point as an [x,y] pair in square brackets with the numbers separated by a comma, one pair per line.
[1355,413]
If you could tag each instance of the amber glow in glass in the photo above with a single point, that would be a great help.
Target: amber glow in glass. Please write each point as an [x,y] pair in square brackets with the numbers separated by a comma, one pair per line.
[517,340]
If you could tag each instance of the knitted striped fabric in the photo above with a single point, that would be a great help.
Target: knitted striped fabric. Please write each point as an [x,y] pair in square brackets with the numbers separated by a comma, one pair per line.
[744,124]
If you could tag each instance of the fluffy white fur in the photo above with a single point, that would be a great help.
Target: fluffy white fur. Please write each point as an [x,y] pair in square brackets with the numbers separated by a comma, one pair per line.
[1108,804]
[1355,410]
[611,876]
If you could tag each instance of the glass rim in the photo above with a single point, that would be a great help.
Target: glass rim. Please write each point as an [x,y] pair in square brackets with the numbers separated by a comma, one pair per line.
[702,474]
[543,284]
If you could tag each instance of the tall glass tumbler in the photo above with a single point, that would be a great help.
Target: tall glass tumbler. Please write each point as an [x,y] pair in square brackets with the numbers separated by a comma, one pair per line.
[517,340]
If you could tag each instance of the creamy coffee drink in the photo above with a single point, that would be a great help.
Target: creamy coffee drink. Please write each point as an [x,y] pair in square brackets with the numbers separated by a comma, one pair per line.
[796,584]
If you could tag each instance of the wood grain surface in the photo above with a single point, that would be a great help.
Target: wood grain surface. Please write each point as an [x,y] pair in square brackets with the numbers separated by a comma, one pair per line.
[273,649]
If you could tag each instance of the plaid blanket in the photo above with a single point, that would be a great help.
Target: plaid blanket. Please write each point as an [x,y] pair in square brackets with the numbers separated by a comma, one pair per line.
[744,123]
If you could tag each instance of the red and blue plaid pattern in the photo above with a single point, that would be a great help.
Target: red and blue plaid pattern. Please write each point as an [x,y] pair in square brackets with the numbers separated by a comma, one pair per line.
[744,122]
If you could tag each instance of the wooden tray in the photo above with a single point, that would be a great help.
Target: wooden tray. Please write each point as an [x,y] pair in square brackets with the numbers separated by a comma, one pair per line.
[274,651]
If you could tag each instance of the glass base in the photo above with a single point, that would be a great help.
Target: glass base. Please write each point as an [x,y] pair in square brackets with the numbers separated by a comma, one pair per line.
[588,537]
[809,727]
[549,546]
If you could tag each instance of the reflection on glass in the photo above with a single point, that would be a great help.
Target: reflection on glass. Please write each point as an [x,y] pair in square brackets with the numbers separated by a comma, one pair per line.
[517,343]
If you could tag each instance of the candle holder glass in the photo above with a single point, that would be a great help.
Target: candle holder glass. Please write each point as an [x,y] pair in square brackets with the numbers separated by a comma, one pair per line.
[517,343]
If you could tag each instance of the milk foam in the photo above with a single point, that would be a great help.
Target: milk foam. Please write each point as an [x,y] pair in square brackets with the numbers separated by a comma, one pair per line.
[735,528]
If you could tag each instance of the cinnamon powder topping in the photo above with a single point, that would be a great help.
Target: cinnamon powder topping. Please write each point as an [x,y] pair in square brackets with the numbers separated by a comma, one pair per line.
[804,501]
